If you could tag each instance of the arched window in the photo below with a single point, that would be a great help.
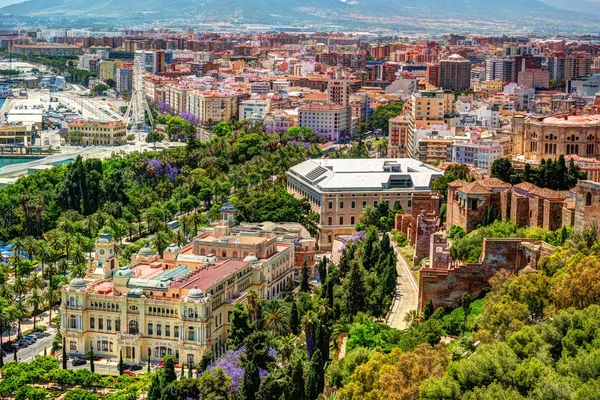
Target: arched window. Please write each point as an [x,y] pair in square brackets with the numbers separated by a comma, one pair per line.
[588,199]
[134,328]
[224,253]
[72,322]
[234,254]
[202,252]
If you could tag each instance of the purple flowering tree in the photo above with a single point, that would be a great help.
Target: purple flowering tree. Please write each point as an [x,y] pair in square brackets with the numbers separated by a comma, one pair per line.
[155,167]
[189,117]
[232,364]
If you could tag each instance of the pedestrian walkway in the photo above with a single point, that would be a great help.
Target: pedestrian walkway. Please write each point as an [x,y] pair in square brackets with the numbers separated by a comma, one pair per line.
[406,297]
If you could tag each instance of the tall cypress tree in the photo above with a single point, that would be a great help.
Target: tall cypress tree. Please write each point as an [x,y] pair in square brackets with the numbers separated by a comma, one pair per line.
[296,389]
[294,319]
[304,278]
[182,371]
[156,385]
[169,370]
[315,382]
[64,354]
[92,366]
[121,363]
[354,290]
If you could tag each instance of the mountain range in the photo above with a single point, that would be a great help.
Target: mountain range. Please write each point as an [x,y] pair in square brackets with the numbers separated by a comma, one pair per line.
[312,12]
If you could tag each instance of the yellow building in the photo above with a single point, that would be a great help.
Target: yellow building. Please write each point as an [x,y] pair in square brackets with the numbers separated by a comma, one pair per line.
[87,132]
[107,70]
[180,304]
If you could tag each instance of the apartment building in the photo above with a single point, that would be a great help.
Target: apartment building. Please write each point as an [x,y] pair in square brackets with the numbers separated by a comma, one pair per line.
[435,150]
[253,109]
[340,189]
[330,120]
[478,154]
[212,107]
[398,136]
[534,78]
[454,73]
[424,110]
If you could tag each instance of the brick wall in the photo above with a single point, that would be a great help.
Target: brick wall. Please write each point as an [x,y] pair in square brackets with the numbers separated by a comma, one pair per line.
[446,286]
[587,205]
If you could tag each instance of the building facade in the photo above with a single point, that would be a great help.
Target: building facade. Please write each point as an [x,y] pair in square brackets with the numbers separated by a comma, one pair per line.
[88,132]
[339,190]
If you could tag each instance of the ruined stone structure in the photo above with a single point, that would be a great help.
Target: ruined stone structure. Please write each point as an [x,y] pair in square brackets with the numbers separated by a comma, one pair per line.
[537,207]
[445,282]
[467,202]
[425,227]
[524,204]
[587,205]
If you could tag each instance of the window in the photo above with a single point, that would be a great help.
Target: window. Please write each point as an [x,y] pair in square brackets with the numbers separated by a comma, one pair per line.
[353,204]
[330,205]
[72,322]
[190,360]
[474,204]
[100,323]
[109,324]
[374,204]
[134,327]
[118,325]
[329,238]
[588,199]
[168,330]
[159,329]
[341,204]
[191,335]
[176,331]
[329,221]
[364,204]
[341,220]
[351,220]
[73,346]
[409,203]
[92,323]
[150,332]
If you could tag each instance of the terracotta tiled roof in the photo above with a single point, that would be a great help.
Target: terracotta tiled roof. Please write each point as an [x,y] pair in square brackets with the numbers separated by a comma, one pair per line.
[538,191]
[494,183]
[457,183]
[475,188]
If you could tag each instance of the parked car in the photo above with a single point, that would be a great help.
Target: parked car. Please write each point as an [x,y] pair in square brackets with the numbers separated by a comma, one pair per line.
[128,372]
[31,338]
[78,361]
[37,335]
[135,367]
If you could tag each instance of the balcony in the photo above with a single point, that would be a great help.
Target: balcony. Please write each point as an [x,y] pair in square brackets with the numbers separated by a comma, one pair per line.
[130,336]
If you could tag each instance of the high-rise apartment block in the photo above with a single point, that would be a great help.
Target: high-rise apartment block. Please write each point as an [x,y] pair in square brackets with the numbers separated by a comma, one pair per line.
[455,73]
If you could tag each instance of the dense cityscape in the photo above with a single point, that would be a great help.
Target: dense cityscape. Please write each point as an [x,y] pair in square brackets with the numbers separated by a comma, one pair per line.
[285,213]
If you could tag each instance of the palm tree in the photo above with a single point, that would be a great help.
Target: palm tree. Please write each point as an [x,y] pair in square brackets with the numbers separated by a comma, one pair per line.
[255,304]
[52,297]
[20,286]
[79,271]
[63,266]
[276,318]
[6,322]
[44,252]
[382,147]
[36,281]
[309,323]
[161,240]
[6,293]
[29,246]
[180,238]
[35,301]
[414,317]
[78,255]
[287,344]
[21,313]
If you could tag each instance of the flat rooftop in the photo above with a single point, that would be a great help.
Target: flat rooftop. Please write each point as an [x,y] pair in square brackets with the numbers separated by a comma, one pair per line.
[206,277]
[379,174]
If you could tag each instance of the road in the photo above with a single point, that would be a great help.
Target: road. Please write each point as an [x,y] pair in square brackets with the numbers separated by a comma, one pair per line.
[28,353]
[406,297]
